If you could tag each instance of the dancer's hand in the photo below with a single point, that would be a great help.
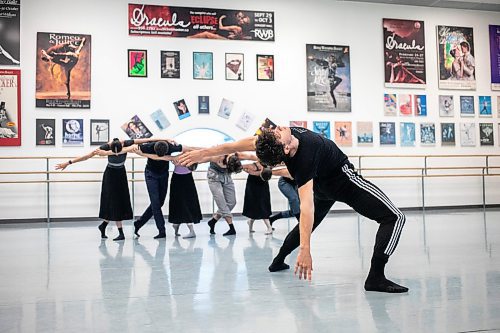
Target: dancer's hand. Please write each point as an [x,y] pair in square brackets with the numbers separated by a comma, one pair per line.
[304,265]
[62,166]
[188,158]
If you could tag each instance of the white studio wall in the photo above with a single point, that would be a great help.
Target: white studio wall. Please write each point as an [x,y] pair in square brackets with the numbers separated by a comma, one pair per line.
[117,97]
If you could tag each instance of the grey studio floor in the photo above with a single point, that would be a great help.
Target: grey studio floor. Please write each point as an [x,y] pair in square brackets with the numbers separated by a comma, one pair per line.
[65,279]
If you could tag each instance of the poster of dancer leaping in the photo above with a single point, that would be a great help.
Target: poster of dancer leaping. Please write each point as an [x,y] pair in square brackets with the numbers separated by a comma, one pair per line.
[10,107]
[63,70]
[328,78]
[10,14]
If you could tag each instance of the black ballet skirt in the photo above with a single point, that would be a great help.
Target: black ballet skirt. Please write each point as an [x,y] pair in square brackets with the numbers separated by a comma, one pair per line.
[183,205]
[257,203]
[115,196]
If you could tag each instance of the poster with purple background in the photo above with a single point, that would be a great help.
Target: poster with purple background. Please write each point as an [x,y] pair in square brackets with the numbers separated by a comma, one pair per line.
[495,56]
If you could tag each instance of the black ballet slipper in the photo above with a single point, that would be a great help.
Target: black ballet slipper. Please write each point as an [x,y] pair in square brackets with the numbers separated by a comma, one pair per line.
[384,285]
[278,265]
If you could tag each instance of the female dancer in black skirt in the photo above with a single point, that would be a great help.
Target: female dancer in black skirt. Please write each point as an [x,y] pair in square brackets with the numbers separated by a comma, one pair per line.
[115,197]
[183,205]
[257,204]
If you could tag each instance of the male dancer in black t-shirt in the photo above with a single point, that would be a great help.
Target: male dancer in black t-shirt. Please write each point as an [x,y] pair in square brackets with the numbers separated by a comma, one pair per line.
[156,175]
[323,175]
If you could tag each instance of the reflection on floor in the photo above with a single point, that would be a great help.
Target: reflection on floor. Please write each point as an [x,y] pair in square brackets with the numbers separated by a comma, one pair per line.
[65,279]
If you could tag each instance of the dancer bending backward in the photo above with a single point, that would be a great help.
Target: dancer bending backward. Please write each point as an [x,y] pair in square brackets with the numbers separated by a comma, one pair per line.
[115,197]
[323,175]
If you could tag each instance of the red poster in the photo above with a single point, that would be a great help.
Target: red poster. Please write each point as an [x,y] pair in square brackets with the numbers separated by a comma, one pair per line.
[10,107]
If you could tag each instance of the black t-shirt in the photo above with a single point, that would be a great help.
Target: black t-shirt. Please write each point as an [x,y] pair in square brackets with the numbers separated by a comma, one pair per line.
[120,158]
[158,166]
[316,157]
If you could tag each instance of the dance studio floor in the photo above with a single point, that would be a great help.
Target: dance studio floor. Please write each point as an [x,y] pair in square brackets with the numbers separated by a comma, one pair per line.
[65,279]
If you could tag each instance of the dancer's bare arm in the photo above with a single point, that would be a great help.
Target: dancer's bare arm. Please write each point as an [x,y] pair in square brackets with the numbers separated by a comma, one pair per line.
[64,165]
[196,156]
[304,260]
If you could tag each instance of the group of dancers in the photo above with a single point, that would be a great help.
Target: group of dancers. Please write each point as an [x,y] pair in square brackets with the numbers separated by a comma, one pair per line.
[315,167]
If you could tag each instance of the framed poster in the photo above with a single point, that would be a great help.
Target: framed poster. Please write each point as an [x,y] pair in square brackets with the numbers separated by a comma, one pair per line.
[404,53]
[99,132]
[468,134]
[225,108]
[427,134]
[446,106]
[485,106]
[137,63]
[203,65]
[160,119]
[322,128]
[72,132]
[486,134]
[495,56]
[343,133]
[447,134]
[45,132]
[365,133]
[10,107]
[298,123]
[196,22]
[10,32]
[135,128]
[467,106]
[405,102]
[235,63]
[203,104]
[170,64]
[328,78]
[420,106]
[457,66]
[246,119]
[387,133]
[182,109]
[390,105]
[407,134]
[265,67]
[63,70]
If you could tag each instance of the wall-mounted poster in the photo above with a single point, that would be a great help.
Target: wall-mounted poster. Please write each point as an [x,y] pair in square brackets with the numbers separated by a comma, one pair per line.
[170,64]
[182,109]
[387,133]
[407,134]
[136,129]
[405,102]
[225,108]
[420,106]
[137,63]
[427,133]
[390,105]
[160,119]
[343,133]
[203,64]
[203,104]
[245,121]
[365,133]
[72,132]
[485,106]
[467,106]
[322,128]
[446,106]
[495,56]
[45,132]
[328,78]
[298,123]
[267,123]
[457,66]
[63,70]
[486,134]
[468,134]
[192,22]
[10,14]
[265,67]
[447,134]
[404,53]
[10,107]
[99,131]
[498,107]
[235,63]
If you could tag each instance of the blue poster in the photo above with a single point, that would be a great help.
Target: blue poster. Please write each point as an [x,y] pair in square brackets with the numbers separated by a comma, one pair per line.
[485,106]
[387,133]
[322,128]
[466,106]
[407,134]
[420,105]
